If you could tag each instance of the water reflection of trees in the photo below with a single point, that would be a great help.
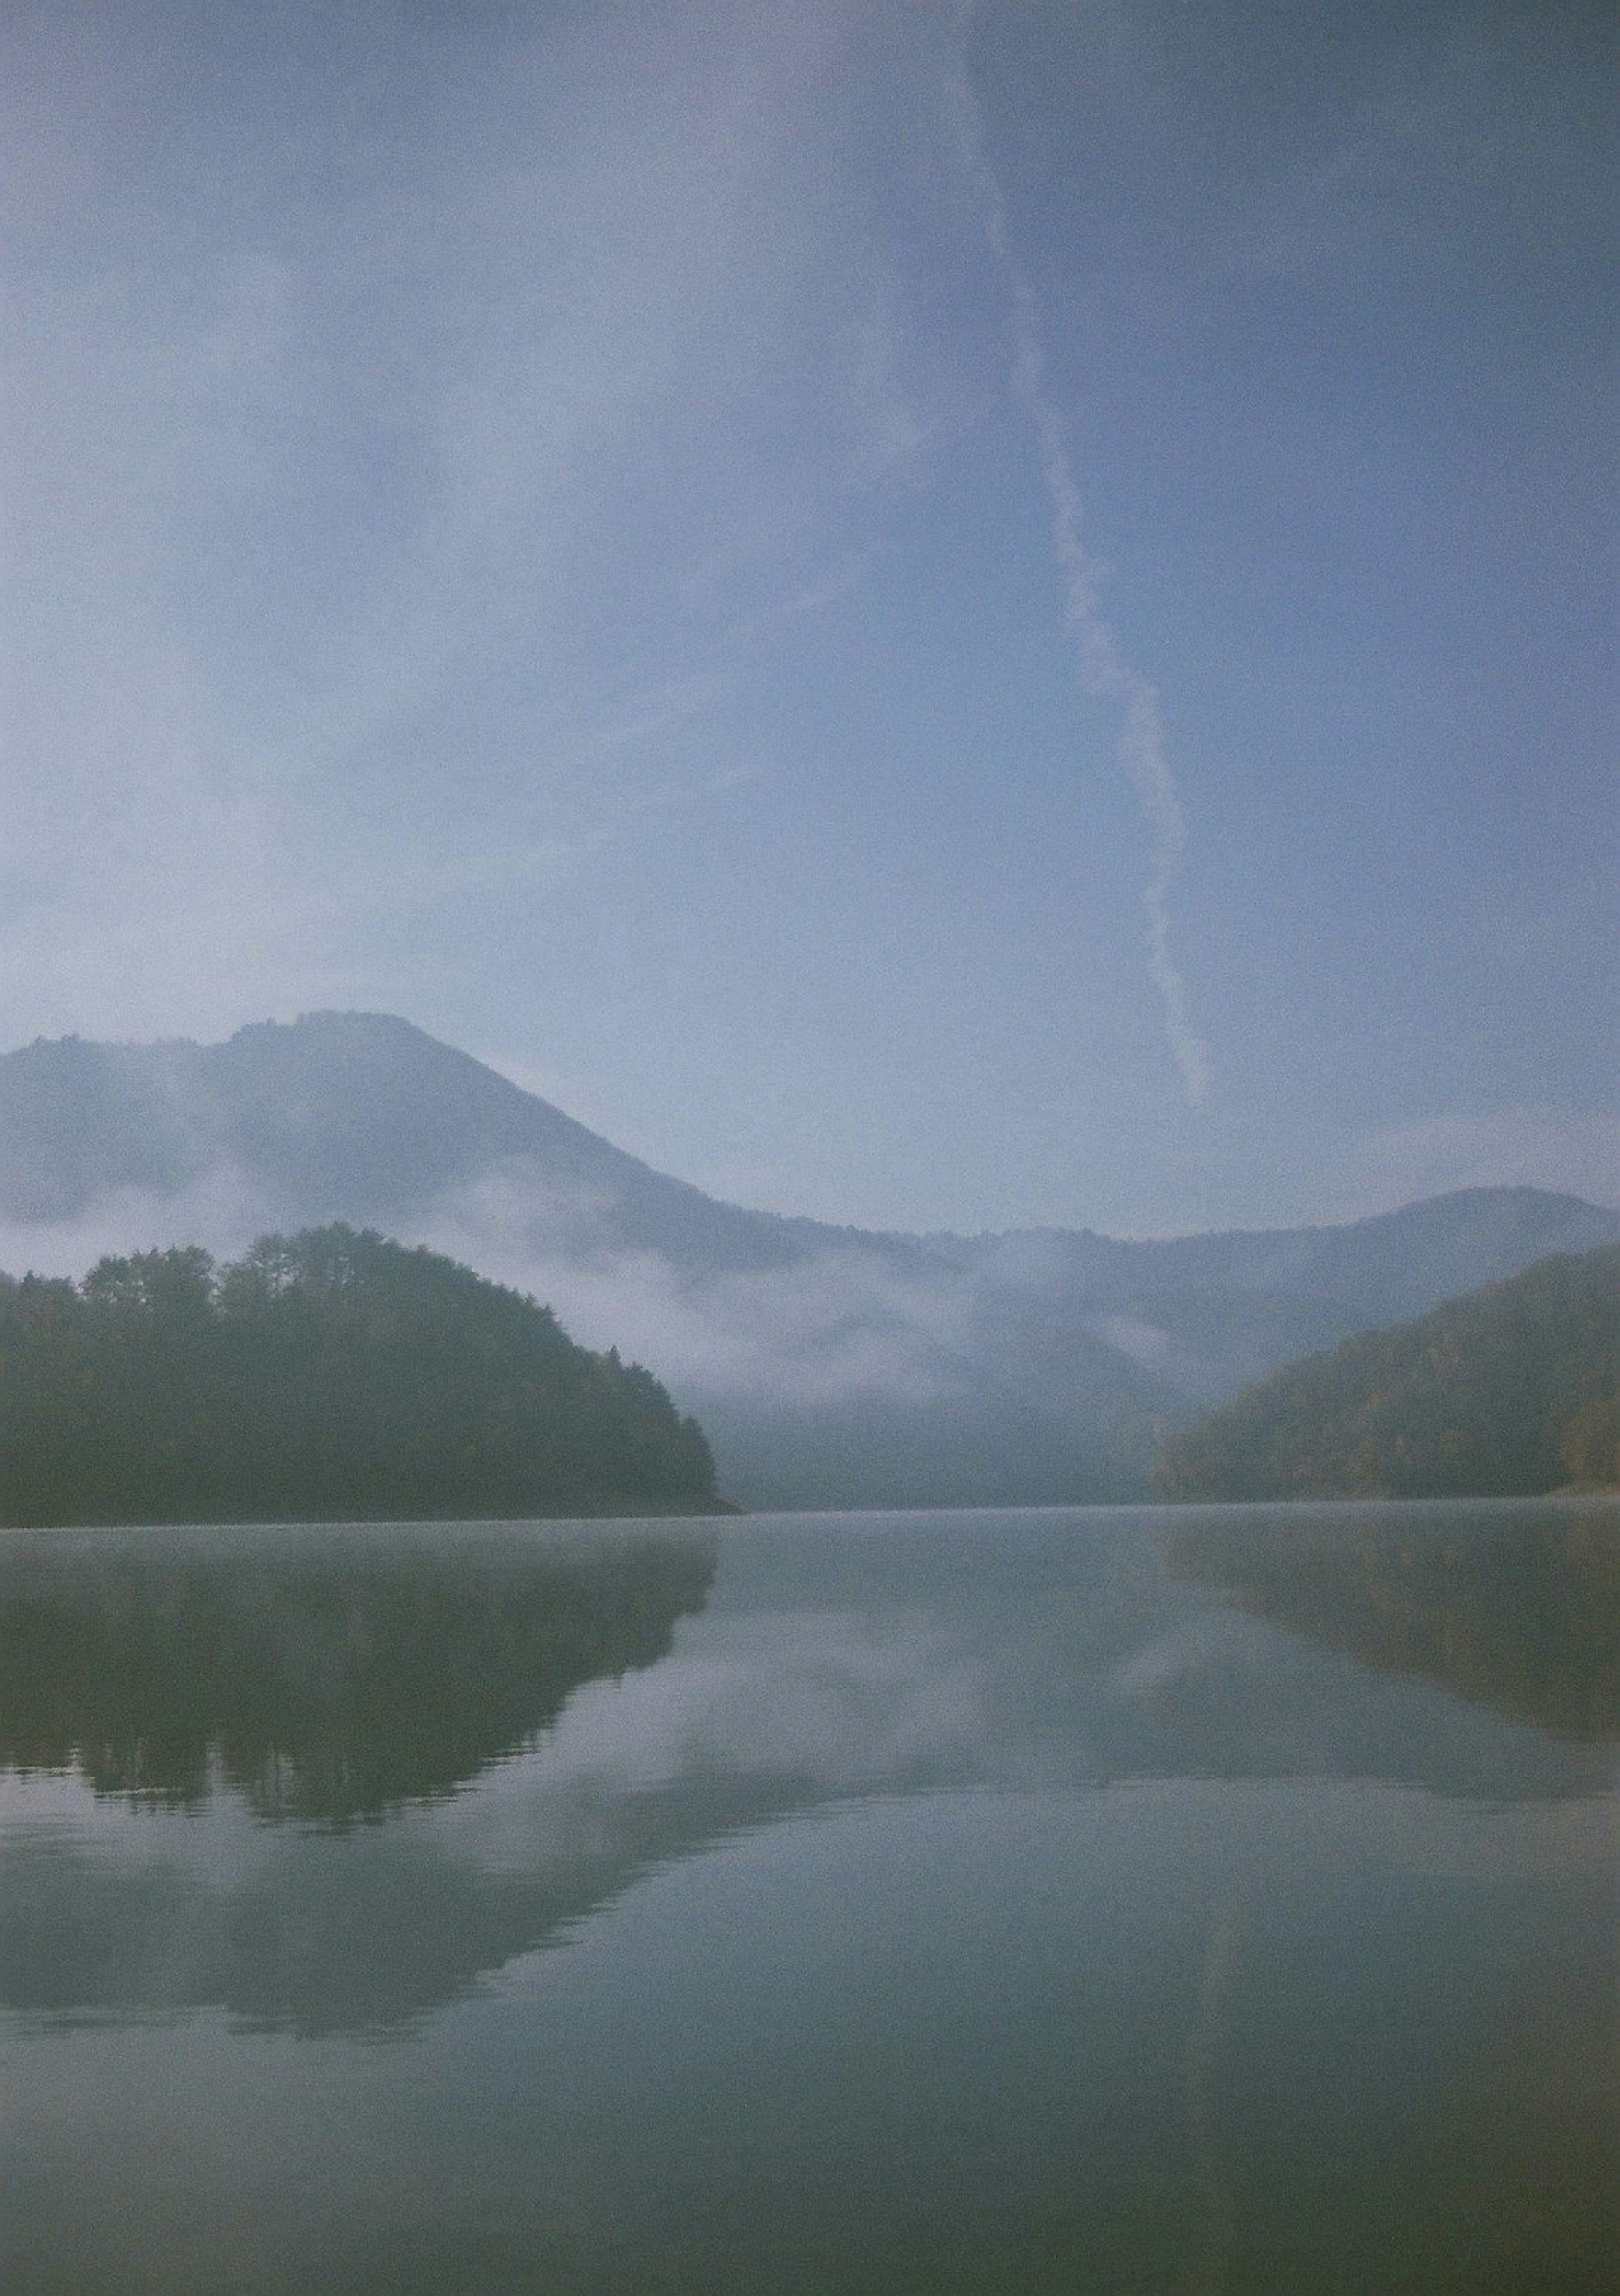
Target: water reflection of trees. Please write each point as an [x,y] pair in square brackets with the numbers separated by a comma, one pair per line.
[326,1677]
[336,1677]
[1515,1610]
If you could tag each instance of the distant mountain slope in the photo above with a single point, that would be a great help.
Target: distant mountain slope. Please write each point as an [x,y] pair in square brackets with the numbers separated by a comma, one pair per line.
[831,1366]
[353,1115]
[1511,1391]
[1393,1263]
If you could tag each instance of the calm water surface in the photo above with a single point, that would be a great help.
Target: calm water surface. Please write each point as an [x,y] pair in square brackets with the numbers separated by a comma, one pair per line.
[1140,1900]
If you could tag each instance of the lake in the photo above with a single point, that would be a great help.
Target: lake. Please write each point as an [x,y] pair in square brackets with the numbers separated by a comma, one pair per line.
[1178,1900]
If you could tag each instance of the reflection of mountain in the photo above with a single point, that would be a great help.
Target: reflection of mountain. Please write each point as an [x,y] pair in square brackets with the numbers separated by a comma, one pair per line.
[1510,1608]
[829,1366]
[322,1932]
[830,1663]
[331,1675]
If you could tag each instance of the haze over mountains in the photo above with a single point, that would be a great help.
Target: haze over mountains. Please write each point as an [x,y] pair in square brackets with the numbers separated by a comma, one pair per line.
[829,1366]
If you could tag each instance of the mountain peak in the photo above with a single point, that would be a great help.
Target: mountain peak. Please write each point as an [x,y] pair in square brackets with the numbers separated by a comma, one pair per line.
[831,1366]
[355,1116]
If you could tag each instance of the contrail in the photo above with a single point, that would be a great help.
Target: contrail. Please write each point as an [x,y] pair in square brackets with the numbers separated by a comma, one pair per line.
[1106,671]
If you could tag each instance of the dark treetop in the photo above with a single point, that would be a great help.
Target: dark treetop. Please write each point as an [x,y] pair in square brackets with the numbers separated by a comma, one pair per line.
[330,1375]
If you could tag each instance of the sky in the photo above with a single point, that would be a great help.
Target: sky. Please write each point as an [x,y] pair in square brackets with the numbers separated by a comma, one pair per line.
[936,616]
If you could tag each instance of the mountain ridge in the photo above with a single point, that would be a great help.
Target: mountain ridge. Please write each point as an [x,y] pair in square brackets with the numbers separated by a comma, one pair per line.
[830,1365]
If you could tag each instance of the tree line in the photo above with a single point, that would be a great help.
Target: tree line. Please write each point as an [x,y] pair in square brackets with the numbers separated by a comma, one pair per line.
[330,1375]
[1511,1391]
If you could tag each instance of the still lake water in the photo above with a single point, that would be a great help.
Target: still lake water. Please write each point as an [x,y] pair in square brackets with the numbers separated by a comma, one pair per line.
[1185,1900]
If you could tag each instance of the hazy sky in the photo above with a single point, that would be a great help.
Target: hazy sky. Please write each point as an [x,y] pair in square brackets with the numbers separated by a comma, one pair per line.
[933,616]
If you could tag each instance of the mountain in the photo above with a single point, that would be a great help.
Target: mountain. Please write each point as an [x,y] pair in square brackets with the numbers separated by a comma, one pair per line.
[343,1116]
[1510,1391]
[829,1366]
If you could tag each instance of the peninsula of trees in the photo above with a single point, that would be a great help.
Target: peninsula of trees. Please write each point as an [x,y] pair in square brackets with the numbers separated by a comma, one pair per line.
[332,1375]
[1509,1391]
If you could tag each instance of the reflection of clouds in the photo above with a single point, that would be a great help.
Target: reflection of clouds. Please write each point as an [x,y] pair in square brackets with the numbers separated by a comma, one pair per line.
[1168,1661]
[813,1696]
[748,1719]
[828,1666]
[103,1906]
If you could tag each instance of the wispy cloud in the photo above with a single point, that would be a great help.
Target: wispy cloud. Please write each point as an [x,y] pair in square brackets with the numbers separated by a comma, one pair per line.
[359,451]
[651,715]
[1109,673]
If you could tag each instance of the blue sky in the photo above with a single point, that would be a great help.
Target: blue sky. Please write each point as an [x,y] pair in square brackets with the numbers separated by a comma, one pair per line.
[939,617]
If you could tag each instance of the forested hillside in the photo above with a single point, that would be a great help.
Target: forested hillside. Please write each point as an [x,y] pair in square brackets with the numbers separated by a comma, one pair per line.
[829,1366]
[1514,1389]
[332,1375]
